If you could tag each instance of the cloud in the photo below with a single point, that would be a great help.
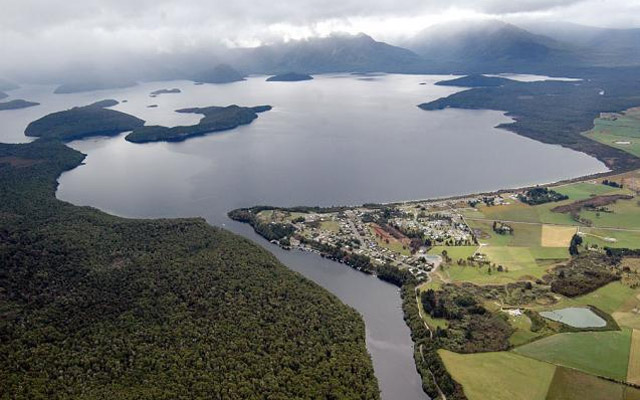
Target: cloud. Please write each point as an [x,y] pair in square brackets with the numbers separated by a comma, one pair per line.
[44,35]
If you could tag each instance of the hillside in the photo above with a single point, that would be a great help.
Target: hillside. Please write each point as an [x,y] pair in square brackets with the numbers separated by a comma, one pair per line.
[599,46]
[91,84]
[336,53]
[490,46]
[95,306]
[222,73]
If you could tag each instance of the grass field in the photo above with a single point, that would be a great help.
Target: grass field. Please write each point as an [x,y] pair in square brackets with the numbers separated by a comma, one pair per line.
[599,353]
[394,244]
[629,239]
[330,225]
[608,298]
[521,212]
[499,376]
[522,333]
[557,236]
[460,273]
[625,128]
[633,369]
[569,384]
[584,190]
[455,252]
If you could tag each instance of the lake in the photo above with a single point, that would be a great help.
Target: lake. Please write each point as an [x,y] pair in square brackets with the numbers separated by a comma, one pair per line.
[338,139]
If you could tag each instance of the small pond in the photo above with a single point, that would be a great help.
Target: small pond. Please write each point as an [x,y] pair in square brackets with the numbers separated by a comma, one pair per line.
[578,317]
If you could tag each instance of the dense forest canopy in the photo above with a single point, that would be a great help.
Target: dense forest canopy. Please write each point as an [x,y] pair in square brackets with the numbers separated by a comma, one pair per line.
[559,112]
[94,306]
[80,122]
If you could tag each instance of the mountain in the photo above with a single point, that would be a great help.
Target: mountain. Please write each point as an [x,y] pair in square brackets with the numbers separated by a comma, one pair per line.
[600,46]
[335,53]
[91,84]
[221,73]
[491,46]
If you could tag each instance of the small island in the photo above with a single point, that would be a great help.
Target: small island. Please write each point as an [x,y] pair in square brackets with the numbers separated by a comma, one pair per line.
[215,119]
[17,104]
[289,77]
[476,80]
[164,91]
[80,122]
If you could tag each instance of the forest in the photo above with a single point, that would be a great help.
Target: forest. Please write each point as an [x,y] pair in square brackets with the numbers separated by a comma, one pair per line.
[215,119]
[95,306]
[559,112]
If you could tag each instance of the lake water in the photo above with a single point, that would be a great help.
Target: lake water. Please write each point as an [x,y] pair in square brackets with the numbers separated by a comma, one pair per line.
[578,317]
[338,139]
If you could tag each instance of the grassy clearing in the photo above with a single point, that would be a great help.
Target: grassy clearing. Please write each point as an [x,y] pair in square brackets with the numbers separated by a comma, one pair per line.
[599,353]
[460,273]
[455,252]
[616,299]
[330,225]
[569,384]
[625,214]
[499,376]
[392,244]
[584,190]
[633,369]
[522,333]
[629,239]
[515,211]
[517,259]
[625,128]
[557,236]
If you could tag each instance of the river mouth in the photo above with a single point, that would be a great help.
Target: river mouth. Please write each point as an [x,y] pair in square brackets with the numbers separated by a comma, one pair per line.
[336,140]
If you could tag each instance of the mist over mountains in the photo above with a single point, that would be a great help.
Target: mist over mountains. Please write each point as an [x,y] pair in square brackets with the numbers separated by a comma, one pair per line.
[464,47]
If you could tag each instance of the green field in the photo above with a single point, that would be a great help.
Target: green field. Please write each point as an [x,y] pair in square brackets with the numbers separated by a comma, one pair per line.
[499,376]
[633,370]
[584,190]
[455,252]
[599,353]
[625,214]
[569,384]
[608,298]
[522,333]
[520,212]
[330,225]
[630,239]
[461,273]
[626,128]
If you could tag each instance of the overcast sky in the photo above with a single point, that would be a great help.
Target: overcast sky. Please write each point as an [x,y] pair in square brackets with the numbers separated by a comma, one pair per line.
[54,33]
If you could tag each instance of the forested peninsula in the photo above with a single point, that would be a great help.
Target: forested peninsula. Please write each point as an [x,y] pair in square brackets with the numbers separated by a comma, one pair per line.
[80,122]
[17,104]
[95,306]
[557,112]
